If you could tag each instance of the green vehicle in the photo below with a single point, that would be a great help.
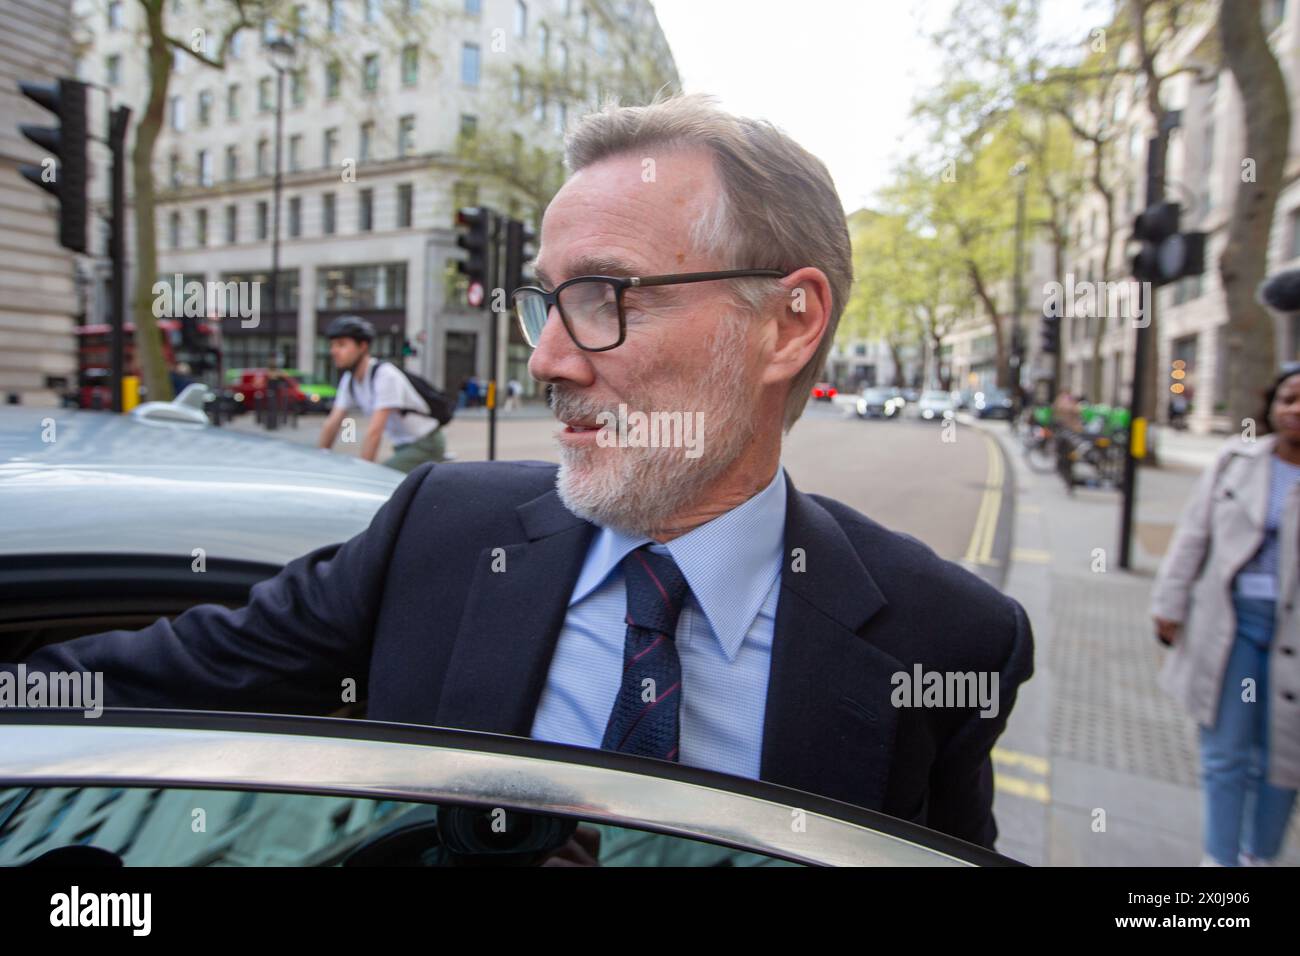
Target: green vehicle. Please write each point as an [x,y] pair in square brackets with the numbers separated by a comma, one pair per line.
[319,392]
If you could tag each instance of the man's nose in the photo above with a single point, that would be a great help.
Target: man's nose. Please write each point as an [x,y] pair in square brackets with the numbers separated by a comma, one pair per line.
[556,358]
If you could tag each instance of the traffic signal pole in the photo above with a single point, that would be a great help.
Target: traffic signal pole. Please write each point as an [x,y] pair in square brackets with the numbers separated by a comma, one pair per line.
[495,275]
[117,123]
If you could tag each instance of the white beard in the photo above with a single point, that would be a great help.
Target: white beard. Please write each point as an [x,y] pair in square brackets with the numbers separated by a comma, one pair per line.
[640,490]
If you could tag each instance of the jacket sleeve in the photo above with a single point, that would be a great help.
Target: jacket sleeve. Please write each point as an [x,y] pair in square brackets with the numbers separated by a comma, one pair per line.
[302,633]
[1182,562]
[961,780]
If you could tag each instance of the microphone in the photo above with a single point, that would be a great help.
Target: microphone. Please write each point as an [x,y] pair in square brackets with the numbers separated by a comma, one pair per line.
[1281,291]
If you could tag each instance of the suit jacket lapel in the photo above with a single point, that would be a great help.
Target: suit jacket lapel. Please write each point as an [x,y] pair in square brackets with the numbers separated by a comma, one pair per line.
[829,726]
[512,621]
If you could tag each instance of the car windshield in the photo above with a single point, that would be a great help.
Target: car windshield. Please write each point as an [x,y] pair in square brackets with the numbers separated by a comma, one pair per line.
[877,394]
[934,396]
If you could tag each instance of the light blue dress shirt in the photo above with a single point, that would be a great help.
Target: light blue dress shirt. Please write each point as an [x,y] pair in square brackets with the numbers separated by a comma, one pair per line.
[724,636]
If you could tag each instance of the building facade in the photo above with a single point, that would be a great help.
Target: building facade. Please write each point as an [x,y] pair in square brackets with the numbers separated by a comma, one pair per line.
[39,301]
[395,114]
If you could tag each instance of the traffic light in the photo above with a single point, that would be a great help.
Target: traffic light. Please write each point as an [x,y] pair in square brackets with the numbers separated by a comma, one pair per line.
[1165,254]
[1051,335]
[475,225]
[519,240]
[63,173]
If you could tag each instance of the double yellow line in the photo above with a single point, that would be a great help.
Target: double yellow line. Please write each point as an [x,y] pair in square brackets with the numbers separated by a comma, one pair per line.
[980,550]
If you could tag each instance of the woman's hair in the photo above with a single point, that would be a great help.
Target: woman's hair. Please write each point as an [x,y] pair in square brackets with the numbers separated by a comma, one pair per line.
[1262,423]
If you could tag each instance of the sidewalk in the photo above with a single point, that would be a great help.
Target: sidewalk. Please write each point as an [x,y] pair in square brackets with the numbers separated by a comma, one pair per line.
[1098,767]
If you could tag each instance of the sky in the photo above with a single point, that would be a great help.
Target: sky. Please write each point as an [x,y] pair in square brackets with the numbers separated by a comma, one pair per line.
[837,75]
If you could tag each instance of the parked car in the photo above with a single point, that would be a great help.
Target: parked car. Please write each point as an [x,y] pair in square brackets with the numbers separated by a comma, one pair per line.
[992,403]
[880,403]
[249,385]
[313,791]
[936,405]
[824,392]
[99,525]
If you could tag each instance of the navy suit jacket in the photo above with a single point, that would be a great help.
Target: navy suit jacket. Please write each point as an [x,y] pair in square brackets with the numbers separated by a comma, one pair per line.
[412,610]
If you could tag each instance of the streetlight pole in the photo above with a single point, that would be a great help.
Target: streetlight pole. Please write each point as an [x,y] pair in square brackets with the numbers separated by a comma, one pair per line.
[282,55]
[1018,291]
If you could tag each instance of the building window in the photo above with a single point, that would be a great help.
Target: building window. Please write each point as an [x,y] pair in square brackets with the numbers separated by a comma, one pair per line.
[236,48]
[113,69]
[263,162]
[327,214]
[521,18]
[295,152]
[539,108]
[297,87]
[334,15]
[381,286]
[263,217]
[366,211]
[406,136]
[564,59]
[367,138]
[201,227]
[584,24]
[204,162]
[1293,234]
[561,117]
[295,217]
[463,196]
[232,101]
[174,170]
[333,74]
[331,144]
[405,203]
[264,101]
[205,107]
[517,86]
[174,230]
[232,163]
[474,7]
[232,223]
[468,126]
[115,15]
[410,65]
[469,64]
[370,72]
[543,43]
[178,113]
[372,11]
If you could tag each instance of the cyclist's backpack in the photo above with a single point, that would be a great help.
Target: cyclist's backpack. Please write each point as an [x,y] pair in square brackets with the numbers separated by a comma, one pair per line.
[439,405]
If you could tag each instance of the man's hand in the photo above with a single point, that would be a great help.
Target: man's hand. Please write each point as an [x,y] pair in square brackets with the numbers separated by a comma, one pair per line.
[1167,631]
[330,430]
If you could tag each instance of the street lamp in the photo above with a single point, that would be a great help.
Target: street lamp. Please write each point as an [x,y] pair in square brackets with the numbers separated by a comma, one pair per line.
[283,57]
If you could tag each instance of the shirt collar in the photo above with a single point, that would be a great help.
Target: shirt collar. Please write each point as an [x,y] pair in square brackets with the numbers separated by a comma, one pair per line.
[730,590]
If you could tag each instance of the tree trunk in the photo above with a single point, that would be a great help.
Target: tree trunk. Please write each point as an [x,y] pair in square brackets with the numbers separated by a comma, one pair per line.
[1003,365]
[148,343]
[1250,337]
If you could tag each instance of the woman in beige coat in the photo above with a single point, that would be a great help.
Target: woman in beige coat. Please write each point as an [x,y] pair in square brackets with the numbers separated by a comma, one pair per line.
[1226,601]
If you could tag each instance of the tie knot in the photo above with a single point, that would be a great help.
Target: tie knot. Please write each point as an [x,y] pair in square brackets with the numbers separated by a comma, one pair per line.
[656,590]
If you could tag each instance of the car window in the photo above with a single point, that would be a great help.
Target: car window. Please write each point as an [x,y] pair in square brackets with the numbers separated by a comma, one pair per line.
[192,828]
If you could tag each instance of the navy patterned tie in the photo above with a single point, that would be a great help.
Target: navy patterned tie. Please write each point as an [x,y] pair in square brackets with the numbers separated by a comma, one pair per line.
[644,718]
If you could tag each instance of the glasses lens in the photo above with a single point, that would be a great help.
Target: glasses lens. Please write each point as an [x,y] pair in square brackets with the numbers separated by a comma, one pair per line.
[531,308]
[592,311]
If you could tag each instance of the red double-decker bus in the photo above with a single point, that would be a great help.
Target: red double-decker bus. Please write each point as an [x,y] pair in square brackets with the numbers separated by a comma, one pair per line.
[202,353]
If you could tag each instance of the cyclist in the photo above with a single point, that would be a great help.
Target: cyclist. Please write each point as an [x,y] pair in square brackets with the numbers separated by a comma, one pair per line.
[383,393]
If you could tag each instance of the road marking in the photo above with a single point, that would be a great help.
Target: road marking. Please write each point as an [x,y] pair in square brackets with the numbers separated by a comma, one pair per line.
[980,549]
[1031,556]
[1014,758]
[1022,788]
[1018,786]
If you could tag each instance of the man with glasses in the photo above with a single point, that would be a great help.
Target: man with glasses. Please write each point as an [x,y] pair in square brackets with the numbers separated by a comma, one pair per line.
[683,603]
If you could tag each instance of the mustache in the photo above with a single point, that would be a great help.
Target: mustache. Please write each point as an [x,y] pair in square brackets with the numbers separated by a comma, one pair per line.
[566,405]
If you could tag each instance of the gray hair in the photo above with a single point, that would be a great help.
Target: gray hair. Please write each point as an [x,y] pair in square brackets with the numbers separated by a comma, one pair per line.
[778,208]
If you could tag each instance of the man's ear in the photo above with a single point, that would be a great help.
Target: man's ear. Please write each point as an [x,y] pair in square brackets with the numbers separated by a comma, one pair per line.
[801,316]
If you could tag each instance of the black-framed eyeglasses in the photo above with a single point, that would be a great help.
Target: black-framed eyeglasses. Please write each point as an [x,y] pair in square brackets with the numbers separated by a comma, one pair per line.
[591,307]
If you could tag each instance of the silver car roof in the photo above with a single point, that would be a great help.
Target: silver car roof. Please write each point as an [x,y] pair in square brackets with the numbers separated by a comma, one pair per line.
[76,481]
